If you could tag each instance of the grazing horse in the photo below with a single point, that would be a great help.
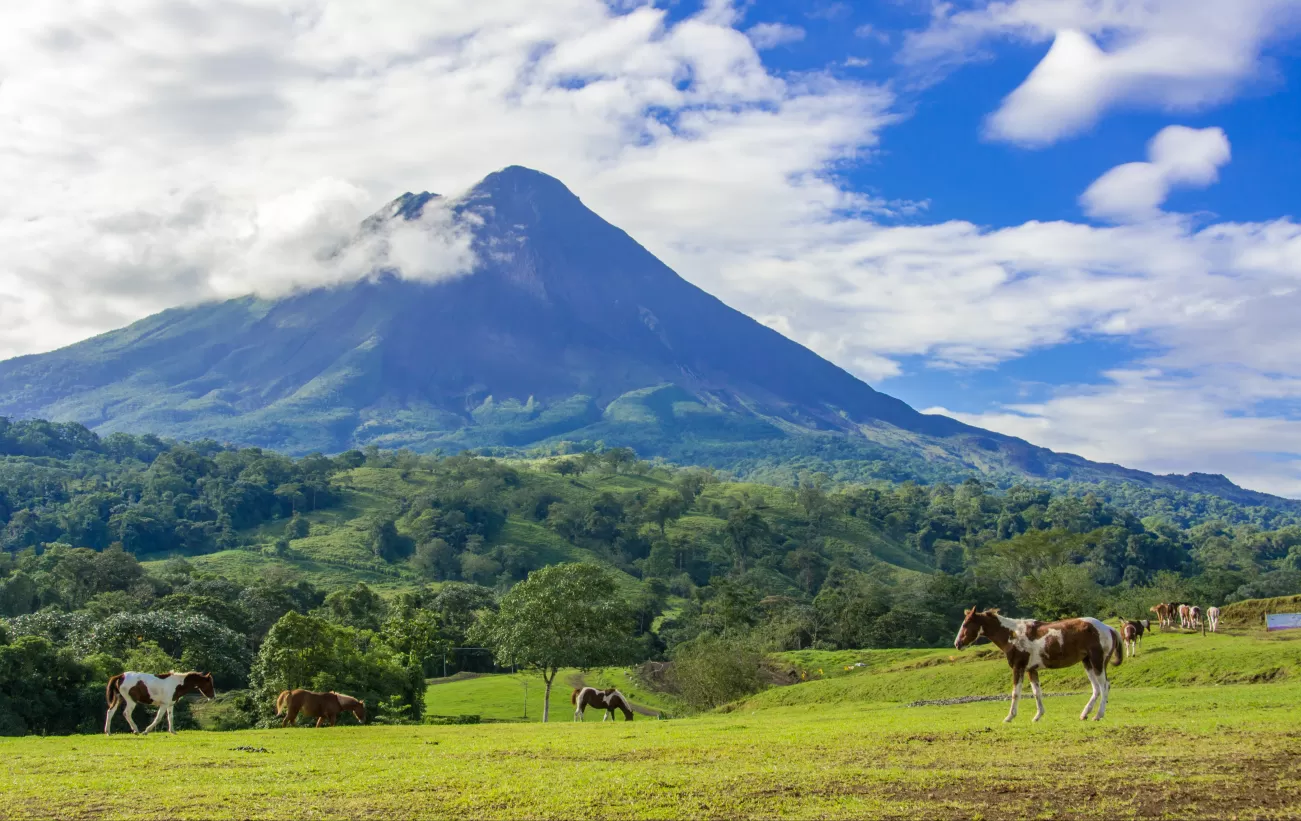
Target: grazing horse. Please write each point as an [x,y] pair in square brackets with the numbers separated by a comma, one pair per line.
[324,706]
[608,700]
[1162,615]
[1130,633]
[1213,619]
[142,688]
[1033,645]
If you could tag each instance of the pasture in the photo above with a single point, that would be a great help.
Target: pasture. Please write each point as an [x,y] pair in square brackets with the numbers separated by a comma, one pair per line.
[842,747]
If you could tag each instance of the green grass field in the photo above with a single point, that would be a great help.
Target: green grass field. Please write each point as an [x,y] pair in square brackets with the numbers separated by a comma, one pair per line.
[1176,743]
[502,697]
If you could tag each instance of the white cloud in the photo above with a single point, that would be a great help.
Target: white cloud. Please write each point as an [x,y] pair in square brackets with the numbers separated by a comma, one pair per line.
[771,35]
[1168,422]
[157,154]
[1177,156]
[1164,54]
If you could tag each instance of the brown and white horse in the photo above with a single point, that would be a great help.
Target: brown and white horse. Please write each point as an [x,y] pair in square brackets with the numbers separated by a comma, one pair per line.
[1185,620]
[608,700]
[1163,615]
[324,707]
[164,691]
[1195,619]
[1213,619]
[1131,633]
[1031,646]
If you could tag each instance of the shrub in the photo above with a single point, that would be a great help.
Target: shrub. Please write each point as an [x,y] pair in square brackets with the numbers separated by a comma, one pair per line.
[710,671]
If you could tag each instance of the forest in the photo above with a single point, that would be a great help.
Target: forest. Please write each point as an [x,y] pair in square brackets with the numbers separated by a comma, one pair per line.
[119,552]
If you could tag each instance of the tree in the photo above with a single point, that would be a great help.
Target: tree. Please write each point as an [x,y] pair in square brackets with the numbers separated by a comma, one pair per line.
[663,508]
[566,615]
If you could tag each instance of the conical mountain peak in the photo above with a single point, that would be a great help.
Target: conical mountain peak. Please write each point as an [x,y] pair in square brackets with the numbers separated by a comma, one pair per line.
[568,329]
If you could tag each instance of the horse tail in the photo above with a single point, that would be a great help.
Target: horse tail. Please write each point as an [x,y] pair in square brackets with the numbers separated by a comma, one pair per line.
[281,700]
[1117,648]
[573,697]
[111,694]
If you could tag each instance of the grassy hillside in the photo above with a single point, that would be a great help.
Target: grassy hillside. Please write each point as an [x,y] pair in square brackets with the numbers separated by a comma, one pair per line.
[502,697]
[337,549]
[1164,660]
[1252,612]
[1211,752]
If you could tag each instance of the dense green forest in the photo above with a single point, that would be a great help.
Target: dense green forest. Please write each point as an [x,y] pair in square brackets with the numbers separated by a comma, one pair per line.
[355,572]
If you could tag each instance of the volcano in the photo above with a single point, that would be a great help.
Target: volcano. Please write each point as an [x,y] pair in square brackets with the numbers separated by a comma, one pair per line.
[566,330]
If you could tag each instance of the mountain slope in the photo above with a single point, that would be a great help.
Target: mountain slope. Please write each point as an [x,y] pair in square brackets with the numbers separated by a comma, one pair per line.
[567,330]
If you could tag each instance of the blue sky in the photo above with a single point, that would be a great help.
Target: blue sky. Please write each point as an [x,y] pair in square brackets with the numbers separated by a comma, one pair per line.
[937,154]
[1068,220]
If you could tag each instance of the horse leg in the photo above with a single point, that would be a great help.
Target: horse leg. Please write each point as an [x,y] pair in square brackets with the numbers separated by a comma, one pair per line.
[320,719]
[170,729]
[1106,691]
[127,711]
[112,711]
[1097,692]
[578,714]
[1038,694]
[609,716]
[1017,672]
[158,718]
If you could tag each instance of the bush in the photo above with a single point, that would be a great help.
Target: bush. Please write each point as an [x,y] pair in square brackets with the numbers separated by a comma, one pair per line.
[443,720]
[710,671]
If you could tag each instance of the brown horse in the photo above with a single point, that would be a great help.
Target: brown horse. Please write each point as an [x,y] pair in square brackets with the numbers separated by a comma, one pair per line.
[324,706]
[1163,615]
[1031,645]
[1130,633]
[608,700]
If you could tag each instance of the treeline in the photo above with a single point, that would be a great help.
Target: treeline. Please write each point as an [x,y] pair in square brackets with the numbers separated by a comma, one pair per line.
[707,563]
[60,483]
[103,614]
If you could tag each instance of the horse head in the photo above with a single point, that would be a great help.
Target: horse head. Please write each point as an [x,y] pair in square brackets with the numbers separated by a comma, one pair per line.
[973,625]
[359,710]
[201,682]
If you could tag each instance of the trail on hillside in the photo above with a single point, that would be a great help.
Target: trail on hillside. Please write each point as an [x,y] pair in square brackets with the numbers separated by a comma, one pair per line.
[576,680]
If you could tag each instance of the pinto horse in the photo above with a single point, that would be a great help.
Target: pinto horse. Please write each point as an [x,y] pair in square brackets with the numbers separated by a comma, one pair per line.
[324,706]
[1031,646]
[1195,619]
[608,700]
[163,690]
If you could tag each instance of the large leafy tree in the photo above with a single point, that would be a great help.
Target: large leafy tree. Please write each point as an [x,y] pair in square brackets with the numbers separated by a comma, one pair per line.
[566,615]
